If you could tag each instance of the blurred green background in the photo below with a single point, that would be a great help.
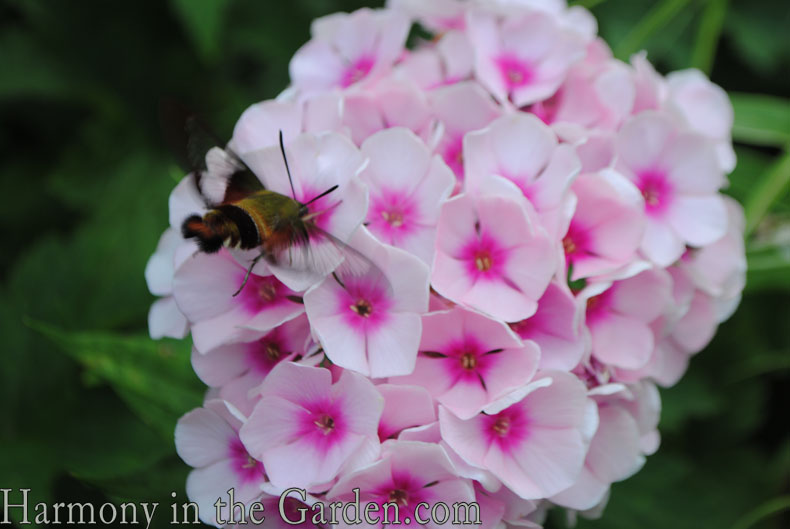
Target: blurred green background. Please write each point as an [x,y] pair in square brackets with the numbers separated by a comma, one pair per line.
[89,402]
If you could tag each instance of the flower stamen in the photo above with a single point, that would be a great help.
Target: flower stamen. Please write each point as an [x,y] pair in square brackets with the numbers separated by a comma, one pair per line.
[362,307]
[325,423]
[267,291]
[399,497]
[483,261]
[468,361]
[394,218]
[502,426]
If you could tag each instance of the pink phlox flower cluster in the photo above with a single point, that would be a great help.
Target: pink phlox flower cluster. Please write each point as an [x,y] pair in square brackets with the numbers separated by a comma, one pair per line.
[546,239]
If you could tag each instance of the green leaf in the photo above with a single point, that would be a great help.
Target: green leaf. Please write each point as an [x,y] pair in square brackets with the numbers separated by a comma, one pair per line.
[154,378]
[110,442]
[765,510]
[658,17]
[203,21]
[761,119]
[588,4]
[768,268]
[752,163]
[30,72]
[693,397]
[711,24]
[757,31]
[771,187]
[154,482]
[29,464]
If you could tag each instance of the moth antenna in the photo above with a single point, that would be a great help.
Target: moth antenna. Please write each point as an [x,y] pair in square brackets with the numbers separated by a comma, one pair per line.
[325,193]
[339,282]
[287,169]
[247,275]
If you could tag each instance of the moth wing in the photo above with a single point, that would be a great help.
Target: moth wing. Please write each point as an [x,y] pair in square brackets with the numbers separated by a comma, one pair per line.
[219,173]
[313,253]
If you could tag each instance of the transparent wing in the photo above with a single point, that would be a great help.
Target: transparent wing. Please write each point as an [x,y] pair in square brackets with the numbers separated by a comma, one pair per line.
[220,174]
[314,254]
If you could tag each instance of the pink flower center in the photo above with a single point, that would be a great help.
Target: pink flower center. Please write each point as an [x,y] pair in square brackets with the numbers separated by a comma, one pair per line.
[362,307]
[266,353]
[508,428]
[247,469]
[575,242]
[399,497]
[593,374]
[364,303]
[404,491]
[393,215]
[453,155]
[546,110]
[568,245]
[323,208]
[483,260]
[263,292]
[357,71]
[522,328]
[598,306]
[501,426]
[468,361]
[515,72]
[484,256]
[656,189]
[325,424]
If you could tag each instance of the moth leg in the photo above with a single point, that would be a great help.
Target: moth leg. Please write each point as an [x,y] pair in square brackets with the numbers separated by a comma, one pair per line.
[247,275]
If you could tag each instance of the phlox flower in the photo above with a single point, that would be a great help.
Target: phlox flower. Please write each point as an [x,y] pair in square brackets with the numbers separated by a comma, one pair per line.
[305,427]
[619,315]
[237,368]
[519,237]
[556,328]
[446,63]
[468,361]
[431,433]
[510,508]
[408,473]
[706,108]
[438,15]
[347,49]
[614,455]
[520,149]
[645,408]
[491,510]
[678,174]
[370,323]
[607,226]
[479,111]
[260,125]
[294,507]
[492,255]
[680,336]
[598,93]
[536,445]
[404,407]
[651,88]
[164,318]
[407,187]
[391,103]
[204,286]
[720,267]
[207,439]
[522,57]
